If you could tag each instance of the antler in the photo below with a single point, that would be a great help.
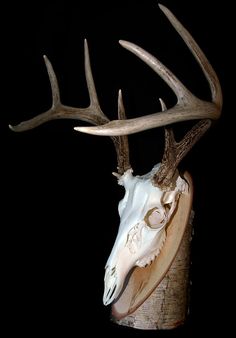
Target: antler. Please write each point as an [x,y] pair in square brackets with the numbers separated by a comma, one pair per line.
[188,107]
[92,114]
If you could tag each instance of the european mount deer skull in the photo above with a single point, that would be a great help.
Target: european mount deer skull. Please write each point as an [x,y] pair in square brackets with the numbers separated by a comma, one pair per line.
[150,200]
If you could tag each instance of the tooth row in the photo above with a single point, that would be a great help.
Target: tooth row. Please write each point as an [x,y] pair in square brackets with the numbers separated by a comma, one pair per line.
[149,259]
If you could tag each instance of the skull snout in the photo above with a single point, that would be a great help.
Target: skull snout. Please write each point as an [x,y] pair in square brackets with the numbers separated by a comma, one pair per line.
[118,266]
[110,291]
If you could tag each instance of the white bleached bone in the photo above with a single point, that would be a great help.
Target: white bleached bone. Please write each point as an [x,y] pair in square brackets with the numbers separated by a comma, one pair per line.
[144,213]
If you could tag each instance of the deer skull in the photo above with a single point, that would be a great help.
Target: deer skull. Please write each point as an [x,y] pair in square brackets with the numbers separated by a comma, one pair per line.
[150,200]
[144,213]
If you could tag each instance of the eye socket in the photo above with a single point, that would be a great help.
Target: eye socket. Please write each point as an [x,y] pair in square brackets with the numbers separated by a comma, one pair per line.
[154,218]
[167,207]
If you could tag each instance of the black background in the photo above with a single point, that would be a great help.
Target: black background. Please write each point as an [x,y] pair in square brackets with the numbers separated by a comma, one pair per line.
[59,199]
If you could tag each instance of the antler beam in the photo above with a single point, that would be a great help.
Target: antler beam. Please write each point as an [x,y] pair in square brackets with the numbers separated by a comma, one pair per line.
[188,106]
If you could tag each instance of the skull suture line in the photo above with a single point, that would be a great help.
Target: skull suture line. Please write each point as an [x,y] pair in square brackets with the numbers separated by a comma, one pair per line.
[144,213]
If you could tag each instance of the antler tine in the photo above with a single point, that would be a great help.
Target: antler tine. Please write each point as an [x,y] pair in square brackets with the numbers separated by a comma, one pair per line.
[188,106]
[92,114]
[49,114]
[56,101]
[94,107]
[207,69]
[176,85]
[121,142]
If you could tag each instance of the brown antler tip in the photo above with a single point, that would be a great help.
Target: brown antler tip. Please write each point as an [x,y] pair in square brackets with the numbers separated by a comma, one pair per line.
[19,127]
[121,108]
[164,9]
[123,43]
[161,6]
[46,60]
[94,130]
[163,105]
